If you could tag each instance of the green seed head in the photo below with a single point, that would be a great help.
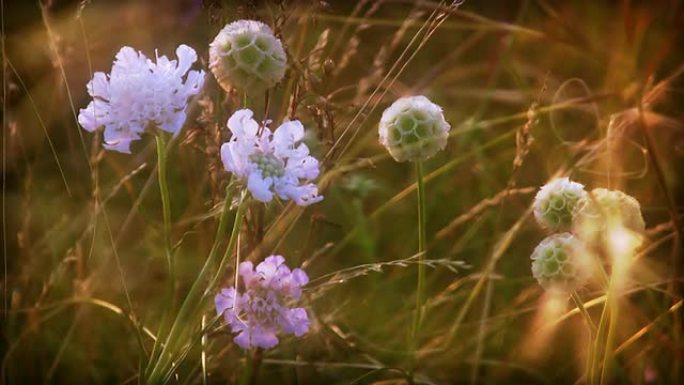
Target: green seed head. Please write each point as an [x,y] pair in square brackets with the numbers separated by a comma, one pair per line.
[246,55]
[561,262]
[557,202]
[413,128]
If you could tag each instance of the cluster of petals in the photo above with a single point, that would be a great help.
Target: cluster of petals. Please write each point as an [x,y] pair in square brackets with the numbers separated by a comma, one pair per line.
[139,93]
[263,309]
[272,163]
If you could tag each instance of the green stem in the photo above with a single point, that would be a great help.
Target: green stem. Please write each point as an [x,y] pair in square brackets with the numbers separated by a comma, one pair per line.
[420,288]
[166,207]
[592,332]
[610,336]
[192,305]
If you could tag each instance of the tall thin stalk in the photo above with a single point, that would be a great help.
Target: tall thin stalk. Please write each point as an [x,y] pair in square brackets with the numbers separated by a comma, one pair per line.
[420,288]
[166,209]
[591,354]
[194,301]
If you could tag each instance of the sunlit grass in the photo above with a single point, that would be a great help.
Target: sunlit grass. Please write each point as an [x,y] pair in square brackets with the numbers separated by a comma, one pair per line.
[418,274]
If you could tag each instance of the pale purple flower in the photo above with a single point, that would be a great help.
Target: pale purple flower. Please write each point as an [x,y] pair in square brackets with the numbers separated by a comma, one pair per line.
[139,93]
[272,163]
[263,310]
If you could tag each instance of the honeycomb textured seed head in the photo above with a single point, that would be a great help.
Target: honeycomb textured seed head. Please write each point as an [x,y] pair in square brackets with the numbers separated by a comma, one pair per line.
[246,55]
[603,210]
[561,262]
[413,128]
[557,202]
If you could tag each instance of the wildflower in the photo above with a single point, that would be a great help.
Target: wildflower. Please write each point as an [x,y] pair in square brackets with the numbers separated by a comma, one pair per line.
[263,309]
[413,128]
[139,93]
[603,211]
[271,163]
[557,203]
[561,261]
[245,54]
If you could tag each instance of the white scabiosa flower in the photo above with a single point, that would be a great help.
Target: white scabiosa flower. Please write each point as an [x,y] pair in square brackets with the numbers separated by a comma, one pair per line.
[603,211]
[413,128]
[561,262]
[271,162]
[139,93]
[246,55]
[557,202]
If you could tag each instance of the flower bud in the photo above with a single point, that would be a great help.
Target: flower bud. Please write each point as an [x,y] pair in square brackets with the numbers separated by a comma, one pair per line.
[413,128]
[557,202]
[561,262]
[246,55]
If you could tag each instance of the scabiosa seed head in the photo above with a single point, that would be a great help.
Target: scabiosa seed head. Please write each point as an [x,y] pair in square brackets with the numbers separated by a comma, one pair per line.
[271,162]
[561,262]
[557,202]
[263,308]
[246,55]
[413,128]
[139,93]
[603,210]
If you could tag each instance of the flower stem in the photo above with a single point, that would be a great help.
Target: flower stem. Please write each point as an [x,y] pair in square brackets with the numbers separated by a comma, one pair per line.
[592,332]
[195,300]
[166,210]
[420,288]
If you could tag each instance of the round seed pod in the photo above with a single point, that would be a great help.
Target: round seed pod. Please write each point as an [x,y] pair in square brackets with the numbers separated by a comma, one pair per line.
[603,210]
[413,128]
[246,55]
[557,202]
[561,262]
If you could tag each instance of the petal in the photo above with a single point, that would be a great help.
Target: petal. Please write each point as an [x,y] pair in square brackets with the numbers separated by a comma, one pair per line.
[98,86]
[296,321]
[260,187]
[285,137]
[174,122]
[120,145]
[243,339]
[302,195]
[300,277]
[264,337]
[224,300]
[186,56]
[241,124]
[193,83]
[94,116]
[303,168]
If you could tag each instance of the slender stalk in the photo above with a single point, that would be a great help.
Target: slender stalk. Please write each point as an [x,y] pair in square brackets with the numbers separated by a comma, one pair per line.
[196,296]
[166,231]
[166,208]
[247,371]
[592,333]
[420,288]
[611,303]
